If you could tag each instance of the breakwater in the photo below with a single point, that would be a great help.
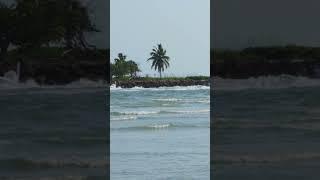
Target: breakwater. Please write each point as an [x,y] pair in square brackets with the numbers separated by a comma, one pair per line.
[159,83]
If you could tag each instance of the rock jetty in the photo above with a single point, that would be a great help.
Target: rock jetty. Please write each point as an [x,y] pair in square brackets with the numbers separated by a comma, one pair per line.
[159,83]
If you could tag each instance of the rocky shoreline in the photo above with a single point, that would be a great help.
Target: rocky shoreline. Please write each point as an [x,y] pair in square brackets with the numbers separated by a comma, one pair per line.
[159,83]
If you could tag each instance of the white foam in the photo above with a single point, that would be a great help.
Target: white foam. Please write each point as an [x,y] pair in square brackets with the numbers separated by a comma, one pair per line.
[124,118]
[189,111]
[87,83]
[159,126]
[139,112]
[163,111]
[173,88]
[168,99]
[6,83]
[182,100]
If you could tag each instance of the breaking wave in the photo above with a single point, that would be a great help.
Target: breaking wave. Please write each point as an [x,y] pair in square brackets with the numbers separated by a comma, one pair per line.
[124,118]
[173,88]
[6,83]
[159,126]
[183,100]
[161,112]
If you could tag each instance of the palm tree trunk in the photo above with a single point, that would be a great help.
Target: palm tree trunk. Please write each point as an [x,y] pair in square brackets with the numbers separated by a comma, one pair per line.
[160,74]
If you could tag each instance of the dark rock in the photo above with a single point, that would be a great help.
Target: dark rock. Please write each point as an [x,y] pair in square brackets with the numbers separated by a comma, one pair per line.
[160,83]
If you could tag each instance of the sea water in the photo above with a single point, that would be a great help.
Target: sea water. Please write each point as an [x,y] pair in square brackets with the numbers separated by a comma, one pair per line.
[266,128]
[160,133]
[53,132]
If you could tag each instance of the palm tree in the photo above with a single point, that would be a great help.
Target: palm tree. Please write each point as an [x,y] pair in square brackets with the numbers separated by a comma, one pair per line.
[160,60]
[120,65]
[121,58]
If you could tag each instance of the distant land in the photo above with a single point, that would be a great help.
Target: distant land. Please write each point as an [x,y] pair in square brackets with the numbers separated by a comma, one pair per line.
[268,60]
[56,66]
[53,66]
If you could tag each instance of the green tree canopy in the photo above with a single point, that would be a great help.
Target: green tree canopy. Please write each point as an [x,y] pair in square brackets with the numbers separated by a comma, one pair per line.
[6,28]
[75,20]
[122,68]
[34,23]
[160,60]
[133,68]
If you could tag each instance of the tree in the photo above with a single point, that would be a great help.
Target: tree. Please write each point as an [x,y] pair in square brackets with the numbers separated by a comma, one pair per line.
[75,20]
[160,60]
[34,24]
[40,22]
[6,30]
[133,68]
[120,66]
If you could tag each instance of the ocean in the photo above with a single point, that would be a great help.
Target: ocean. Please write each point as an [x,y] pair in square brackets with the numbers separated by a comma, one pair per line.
[160,133]
[53,132]
[266,128]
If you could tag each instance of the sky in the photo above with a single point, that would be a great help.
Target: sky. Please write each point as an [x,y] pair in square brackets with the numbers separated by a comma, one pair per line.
[238,24]
[181,26]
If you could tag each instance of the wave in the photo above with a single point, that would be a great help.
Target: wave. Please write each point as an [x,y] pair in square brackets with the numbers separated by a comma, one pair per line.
[168,100]
[161,112]
[266,158]
[173,88]
[22,163]
[159,126]
[264,82]
[188,111]
[31,83]
[183,100]
[124,118]
[135,113]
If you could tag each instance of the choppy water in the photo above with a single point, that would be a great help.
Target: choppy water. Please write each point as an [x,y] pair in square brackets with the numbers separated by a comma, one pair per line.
[52,132]
[266,125]
[267,132]
[160,133]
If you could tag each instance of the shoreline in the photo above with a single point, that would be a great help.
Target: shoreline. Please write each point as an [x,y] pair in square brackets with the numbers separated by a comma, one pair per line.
[159,83]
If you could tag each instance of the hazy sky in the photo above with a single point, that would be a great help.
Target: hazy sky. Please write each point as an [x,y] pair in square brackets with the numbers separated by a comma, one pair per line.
[242,23]
[182,26]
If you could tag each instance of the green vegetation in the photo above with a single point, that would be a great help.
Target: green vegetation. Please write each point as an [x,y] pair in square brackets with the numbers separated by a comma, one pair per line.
[278,53]
[126,71]
[160,60]
[121,68]
[48,38]
[198,78]
[32,24]
[261,61]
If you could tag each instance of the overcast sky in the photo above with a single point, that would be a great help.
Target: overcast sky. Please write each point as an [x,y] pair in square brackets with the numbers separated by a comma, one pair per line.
[242,23]
[183,27]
